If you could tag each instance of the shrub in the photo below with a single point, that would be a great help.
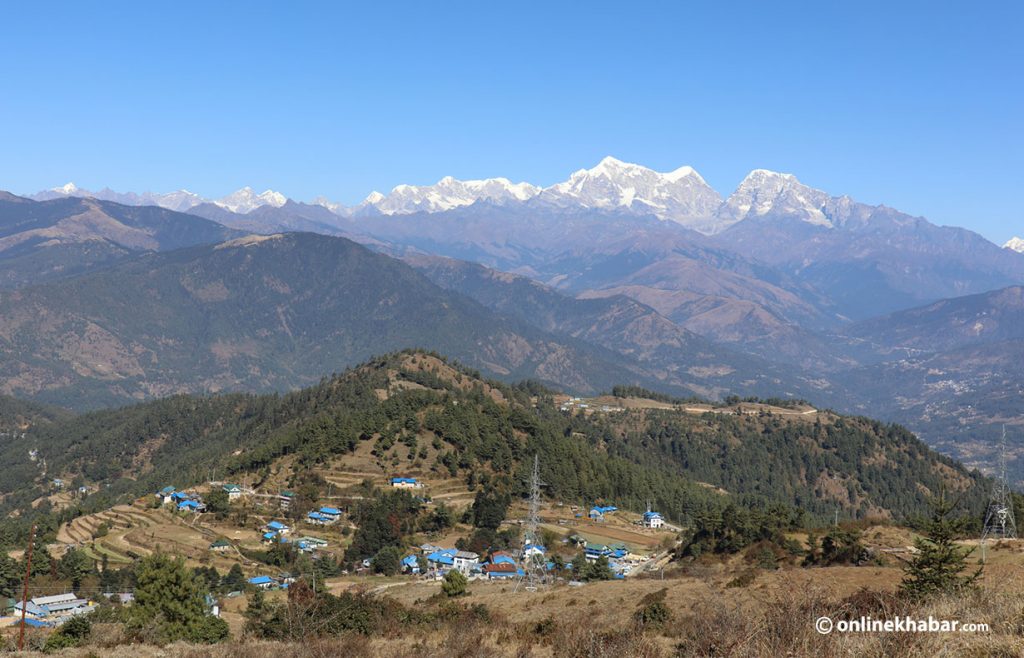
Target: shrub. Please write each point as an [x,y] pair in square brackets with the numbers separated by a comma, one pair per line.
[454,583]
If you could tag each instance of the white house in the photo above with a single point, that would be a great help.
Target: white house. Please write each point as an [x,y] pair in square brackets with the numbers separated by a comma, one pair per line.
[233,491]
[404,483]
[653,520]
[466,561]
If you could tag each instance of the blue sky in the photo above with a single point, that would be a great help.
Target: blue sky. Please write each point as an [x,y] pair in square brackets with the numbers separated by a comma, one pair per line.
[917,106]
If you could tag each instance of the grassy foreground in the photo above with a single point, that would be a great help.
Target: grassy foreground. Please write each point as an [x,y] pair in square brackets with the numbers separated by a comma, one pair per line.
[779,624]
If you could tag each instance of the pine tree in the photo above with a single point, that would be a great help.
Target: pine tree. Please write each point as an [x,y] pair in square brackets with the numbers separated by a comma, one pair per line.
[169,597]
[234,580]
[940,563]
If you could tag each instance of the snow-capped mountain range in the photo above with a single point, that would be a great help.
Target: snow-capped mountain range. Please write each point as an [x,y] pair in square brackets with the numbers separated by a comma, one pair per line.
[680,196]
[241,201]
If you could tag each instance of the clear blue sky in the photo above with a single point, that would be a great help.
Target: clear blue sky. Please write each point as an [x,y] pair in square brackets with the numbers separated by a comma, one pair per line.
[919,107]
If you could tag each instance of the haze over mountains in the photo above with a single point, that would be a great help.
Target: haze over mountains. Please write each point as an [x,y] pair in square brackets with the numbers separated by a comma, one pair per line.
[619,274]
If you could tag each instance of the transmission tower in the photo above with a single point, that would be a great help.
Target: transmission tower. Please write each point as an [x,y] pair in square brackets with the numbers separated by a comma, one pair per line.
[533,561]
[999,519]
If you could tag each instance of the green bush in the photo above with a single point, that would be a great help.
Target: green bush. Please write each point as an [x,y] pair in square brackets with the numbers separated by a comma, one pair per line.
[454,583]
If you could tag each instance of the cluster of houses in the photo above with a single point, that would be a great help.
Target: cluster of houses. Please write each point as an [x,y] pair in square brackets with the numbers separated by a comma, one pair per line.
[50,611]
[276,532]
[182,500]
[578,403]
[620,560]
[574,403]
[436,561]
[651,519]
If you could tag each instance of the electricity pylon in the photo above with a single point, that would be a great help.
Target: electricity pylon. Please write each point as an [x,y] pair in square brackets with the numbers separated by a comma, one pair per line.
[999,519]
[532,562]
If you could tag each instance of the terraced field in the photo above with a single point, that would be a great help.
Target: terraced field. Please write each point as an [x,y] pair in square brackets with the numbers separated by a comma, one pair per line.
[121,522]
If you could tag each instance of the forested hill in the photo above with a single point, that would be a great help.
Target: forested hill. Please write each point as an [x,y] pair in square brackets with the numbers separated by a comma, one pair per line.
[262,314]
[682,462]
[21,415]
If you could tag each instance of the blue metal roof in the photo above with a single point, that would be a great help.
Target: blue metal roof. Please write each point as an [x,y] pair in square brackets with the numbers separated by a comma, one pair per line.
[330,511]
[260,580]
[443,556]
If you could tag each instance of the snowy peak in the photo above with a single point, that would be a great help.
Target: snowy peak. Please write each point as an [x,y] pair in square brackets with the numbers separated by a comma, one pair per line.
[246,200]
[765,192]
[324,202]
[180,201]
[1015,244]
[446,194]
[680,195]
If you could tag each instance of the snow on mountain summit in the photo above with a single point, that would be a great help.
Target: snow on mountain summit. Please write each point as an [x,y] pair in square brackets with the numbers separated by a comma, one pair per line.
[246,200]
[1016,244]
[680,195]
[765,192]
[448,193]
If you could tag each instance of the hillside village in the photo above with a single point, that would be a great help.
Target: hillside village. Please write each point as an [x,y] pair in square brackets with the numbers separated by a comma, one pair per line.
[195,523]
[399,516]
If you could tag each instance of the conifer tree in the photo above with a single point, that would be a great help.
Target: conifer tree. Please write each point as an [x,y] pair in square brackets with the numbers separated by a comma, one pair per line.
[940,563]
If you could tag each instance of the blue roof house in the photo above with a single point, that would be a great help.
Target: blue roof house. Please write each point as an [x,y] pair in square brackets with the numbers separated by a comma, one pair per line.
[316,518]
[443,558]
[410,564]
[262,582]
[653,520]
[189,506]
[278,528]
